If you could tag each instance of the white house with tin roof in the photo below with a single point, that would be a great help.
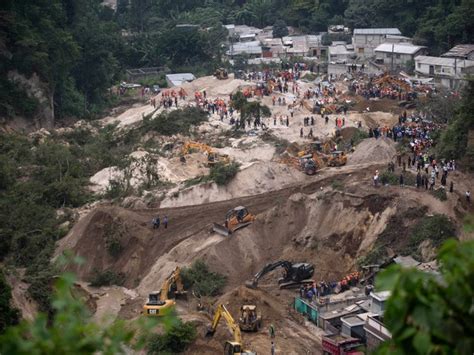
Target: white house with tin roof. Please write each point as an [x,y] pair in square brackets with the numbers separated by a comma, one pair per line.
[448,72]
[365,40]
[397,54]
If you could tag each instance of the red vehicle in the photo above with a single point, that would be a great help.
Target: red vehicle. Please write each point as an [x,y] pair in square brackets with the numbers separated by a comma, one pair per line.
[337,344]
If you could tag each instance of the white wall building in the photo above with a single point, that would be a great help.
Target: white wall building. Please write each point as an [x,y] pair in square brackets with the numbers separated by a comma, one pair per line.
[397,54]
[448,72]
[365,40]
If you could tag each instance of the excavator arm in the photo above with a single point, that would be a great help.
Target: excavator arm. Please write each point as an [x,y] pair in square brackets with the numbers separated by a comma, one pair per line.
[174,278]
[266,269]
[231,324]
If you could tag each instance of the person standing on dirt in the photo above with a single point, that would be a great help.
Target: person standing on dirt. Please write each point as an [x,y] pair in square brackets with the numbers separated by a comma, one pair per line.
[301,132]
[418,180]
[165,222]
[273,348]
[401,179]
[376,178]
[451,187]
[327,119]
[443,181]
[156,222]
[468,196]
[272,331]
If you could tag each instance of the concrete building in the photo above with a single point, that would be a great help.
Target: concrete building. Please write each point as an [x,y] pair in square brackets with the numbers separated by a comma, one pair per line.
[461,51]
[447,72]
[251,49]
[375,332]
[353,326]
[365,40]
[340,53]
[178,79]
[305,46]
[273,48]
[397,54]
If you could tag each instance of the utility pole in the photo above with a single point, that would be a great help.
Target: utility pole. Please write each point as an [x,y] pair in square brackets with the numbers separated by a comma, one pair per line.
[393,50]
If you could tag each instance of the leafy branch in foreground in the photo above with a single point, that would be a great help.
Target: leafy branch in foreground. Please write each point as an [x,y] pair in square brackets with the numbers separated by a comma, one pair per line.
[429,313]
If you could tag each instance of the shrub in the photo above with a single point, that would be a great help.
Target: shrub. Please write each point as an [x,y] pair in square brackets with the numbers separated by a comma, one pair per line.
[337,185]
[107,278]
[436,229]
[204,281]
[174,122]
[359,136]
[309,77]
[389,178]
[113,238]
[222,173]
[440,194]
[173,341]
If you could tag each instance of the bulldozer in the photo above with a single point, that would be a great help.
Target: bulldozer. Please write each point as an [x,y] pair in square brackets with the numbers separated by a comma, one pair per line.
[236,218]
[337,158]
[308,164]
[159,303]
[230,347]
[221,74]
[294,274]
[250,320]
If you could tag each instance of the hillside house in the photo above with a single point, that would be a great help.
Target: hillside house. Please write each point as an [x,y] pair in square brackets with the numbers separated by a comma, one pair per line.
[447,72]
[461,51]
[397,54]
[365,40]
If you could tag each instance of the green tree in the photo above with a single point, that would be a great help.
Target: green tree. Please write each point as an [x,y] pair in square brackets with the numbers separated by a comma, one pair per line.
[8,315]
[175,340]
[280,29]
[453,142]
[431,314]
[70,331]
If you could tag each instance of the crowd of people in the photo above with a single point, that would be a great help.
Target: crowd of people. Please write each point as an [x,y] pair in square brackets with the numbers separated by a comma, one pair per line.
[323,288]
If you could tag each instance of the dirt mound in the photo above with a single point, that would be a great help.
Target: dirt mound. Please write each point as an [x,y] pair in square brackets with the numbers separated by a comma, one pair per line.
[371,150]
[383,105]
[254,178]
[348,132]
[291,338]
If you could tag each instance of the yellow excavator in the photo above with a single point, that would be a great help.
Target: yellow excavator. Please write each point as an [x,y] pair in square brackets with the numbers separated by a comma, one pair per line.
[230,347]
[236,218]
[159,303]
[212,156]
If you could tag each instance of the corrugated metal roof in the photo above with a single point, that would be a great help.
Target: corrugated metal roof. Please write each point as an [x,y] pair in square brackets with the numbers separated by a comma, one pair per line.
[246,47]
[180,76]
[377,31]
[460,63]
[398,48]
[459,51]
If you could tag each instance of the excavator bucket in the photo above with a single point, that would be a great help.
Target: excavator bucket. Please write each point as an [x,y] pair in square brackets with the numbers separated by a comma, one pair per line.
[218,228]
[251,284]
[209,332]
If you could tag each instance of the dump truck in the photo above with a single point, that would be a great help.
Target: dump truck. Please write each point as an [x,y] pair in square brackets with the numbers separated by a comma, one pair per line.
[338,344]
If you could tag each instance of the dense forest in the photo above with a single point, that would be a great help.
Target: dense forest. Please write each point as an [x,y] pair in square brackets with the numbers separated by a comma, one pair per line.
[79,48]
